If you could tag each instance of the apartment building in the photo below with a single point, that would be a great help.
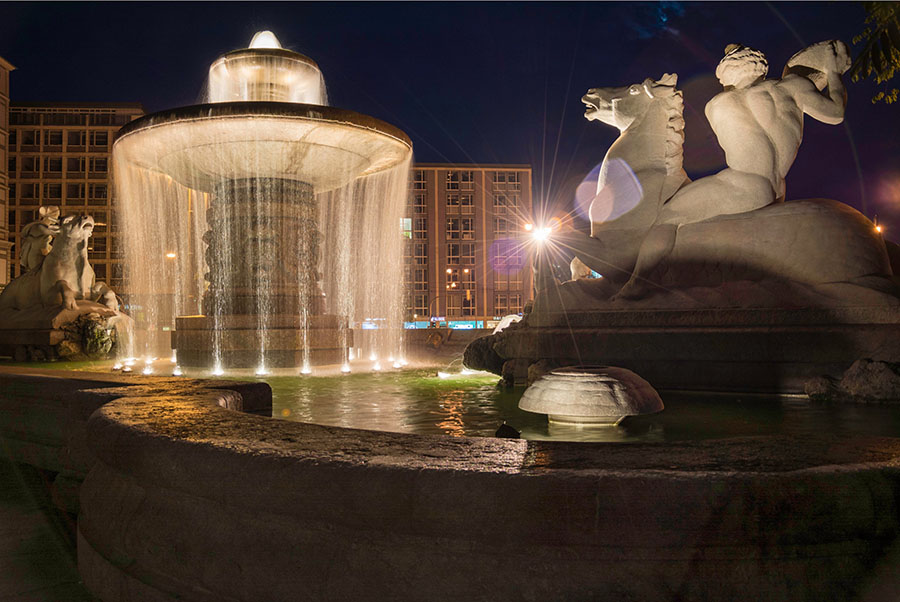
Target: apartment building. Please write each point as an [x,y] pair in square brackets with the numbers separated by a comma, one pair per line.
[5,68]
[469,256]
[60,154]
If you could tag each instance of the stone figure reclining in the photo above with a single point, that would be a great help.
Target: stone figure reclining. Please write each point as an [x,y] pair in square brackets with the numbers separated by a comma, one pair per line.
[64,276]
[731,225]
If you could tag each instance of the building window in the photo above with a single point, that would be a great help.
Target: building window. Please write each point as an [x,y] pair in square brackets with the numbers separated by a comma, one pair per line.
[454,305]
[75,166]
[30,191]
[467,279]
[420,304]
[504,203]
[75,192]
[11,166]
[467,253]
[53,138]
[420,279]
[29,138]
[76,139]
[12,140]
[99,165]
[99,271]
[419,180]
[419,203]
[12,221]
[420,227]
[453,227]
[453,253]
[467,228]
[452,278]
[53,192]
[420,254]
[53,165]
[507,303]
[99,138]
[466,203]
[468,304]
[29,167]
[502,226]
[460,180]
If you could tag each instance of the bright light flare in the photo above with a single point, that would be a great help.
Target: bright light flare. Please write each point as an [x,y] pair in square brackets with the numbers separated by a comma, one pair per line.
[177,371]
[529,227]
[305,369]
[261,371]
[377,367]
[879,229]
[541,234]
[345,369]
[117,366]
[218,371]
[443,375]
[148,369]
[397,365]
[171,255]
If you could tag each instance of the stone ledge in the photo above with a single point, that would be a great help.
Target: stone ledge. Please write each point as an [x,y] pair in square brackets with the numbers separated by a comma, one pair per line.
[203,503]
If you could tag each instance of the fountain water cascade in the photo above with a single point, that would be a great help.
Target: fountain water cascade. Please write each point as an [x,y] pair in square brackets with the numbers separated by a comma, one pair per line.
[264,223]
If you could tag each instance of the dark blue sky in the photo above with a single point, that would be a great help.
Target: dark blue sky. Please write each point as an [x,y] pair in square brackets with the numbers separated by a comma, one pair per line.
[472,82]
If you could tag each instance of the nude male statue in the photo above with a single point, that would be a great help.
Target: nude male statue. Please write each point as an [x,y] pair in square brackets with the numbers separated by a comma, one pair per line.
[759,125]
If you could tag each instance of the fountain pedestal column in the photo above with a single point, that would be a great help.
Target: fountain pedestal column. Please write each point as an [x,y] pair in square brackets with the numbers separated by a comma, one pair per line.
[263,304]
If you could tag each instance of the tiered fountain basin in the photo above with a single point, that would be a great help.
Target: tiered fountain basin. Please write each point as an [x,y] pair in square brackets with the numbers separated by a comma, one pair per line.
[200,145]
[262,165]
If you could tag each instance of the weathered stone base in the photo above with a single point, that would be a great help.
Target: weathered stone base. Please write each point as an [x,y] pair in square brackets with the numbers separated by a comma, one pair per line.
[240,339]
[762,350]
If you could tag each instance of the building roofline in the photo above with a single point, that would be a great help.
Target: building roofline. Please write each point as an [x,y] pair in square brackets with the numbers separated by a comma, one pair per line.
[4,63]
[76,105]
[475,165]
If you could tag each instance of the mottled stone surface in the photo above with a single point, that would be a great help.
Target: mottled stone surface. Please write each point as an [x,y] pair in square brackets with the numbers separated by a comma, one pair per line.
[866,381]
[186,499]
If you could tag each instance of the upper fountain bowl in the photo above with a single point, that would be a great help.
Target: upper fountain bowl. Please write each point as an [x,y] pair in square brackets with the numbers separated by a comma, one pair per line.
[265,72]
[267,118]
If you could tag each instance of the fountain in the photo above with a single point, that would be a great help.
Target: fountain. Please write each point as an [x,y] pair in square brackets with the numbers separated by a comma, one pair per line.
[228,207]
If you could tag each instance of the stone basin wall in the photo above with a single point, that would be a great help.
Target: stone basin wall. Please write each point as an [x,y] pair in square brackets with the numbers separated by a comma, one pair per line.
[186,499]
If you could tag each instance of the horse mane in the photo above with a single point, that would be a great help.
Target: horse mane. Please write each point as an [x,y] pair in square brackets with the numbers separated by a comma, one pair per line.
[673,105]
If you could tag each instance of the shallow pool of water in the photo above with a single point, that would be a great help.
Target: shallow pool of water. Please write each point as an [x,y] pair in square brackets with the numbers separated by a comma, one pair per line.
[418,401]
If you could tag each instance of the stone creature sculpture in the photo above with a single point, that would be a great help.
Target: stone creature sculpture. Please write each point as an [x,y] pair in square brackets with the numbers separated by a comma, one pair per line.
[64,276]
[36,238]
[732,225]
[641,170]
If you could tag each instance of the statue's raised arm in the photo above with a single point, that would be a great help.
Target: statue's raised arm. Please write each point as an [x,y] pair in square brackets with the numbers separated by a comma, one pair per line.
[821,65]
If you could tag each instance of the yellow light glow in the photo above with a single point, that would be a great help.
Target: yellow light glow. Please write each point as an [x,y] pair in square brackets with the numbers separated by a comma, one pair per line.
[878,229]
[529,227]
[449,271]
[541,234]
[171,255]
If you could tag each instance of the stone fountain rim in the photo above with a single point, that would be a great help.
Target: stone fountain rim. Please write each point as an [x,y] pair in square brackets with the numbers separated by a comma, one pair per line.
[288,110]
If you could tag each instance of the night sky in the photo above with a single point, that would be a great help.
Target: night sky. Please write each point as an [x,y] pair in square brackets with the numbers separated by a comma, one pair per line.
[473,82]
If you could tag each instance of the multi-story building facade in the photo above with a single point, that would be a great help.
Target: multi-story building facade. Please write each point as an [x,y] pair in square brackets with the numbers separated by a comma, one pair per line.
[5,68]
[469,255]
[60,154]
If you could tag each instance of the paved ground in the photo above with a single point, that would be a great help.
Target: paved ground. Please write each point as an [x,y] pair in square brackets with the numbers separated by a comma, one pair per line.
[37,546]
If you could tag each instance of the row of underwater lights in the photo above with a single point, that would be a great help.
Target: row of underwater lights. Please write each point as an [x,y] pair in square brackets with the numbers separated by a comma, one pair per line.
[129,364]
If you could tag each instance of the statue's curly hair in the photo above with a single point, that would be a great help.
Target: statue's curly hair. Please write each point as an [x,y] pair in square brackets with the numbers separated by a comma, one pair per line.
[743,59]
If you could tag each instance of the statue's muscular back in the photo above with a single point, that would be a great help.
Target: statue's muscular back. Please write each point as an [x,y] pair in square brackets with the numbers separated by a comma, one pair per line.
[759,128]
